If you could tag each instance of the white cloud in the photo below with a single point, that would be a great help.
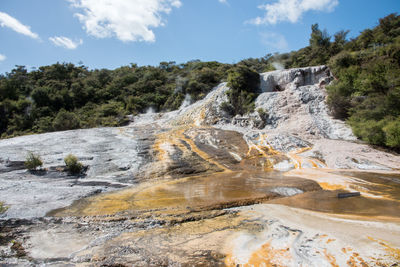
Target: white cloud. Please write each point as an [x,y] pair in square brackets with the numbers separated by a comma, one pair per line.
[274,40]
[223,1]
[2,57]
[65,42]
[128,20]
[292,10]
[12,23]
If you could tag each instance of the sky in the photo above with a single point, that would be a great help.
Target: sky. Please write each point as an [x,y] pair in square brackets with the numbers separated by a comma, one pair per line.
[113,33]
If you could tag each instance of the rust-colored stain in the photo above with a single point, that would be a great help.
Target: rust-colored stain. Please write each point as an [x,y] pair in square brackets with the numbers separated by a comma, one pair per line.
[331,259]
[393,252]
[347,250]
[329,186]
[356,261]
[174,138]
[297,160]
[265,256]
[330,240]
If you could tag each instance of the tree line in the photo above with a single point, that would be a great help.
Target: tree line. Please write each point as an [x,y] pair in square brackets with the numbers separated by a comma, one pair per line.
[62,96]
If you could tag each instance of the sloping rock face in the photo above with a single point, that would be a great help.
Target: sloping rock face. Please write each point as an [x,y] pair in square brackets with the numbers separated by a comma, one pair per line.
[112,154]
[204,112]
[295,103]
[196,187]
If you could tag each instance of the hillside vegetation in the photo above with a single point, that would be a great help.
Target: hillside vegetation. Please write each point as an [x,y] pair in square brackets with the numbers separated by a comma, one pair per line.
[366,92]
[63,96]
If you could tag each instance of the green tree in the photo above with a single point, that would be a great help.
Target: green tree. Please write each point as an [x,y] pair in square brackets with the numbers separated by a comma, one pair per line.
[244,87]
[65,120]
[319,38]
[392,132]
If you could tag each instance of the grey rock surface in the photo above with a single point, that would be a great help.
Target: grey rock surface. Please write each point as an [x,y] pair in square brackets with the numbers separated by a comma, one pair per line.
[113,155]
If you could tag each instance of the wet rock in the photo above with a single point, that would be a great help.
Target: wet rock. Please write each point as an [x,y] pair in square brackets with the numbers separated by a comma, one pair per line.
[287,191]
[208,192]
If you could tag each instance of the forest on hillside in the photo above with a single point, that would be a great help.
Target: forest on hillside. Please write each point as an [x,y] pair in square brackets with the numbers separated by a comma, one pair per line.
[65,96]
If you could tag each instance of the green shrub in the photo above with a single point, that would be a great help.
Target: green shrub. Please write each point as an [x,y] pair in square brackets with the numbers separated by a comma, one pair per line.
[244,87]
[339,105]
[2,208]
[342,60]
[228,108]
[392,132]
[369,130]
[112,108]
[44,124]
[262,113]
[174,101]
[65,120]
[33,161]
[73,165]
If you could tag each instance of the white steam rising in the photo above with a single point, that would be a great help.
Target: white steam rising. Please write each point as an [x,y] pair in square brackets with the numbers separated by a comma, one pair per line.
[186,102]
[278,66]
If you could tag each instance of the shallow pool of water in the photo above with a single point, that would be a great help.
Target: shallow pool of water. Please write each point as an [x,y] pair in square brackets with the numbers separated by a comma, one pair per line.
[220,190]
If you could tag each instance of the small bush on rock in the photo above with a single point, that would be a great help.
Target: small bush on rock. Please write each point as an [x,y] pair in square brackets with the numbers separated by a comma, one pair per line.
[2,208]
[262,113]
[33,161]
[228,108]
[73,165]
[244,87]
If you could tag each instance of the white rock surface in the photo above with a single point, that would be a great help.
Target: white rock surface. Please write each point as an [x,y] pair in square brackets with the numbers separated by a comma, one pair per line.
[295,102]
[110,153]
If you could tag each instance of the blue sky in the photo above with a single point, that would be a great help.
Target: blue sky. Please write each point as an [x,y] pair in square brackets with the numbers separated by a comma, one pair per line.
[112,33]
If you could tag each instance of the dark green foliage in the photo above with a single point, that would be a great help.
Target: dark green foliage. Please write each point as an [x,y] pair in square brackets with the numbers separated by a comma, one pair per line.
[65,120]
[72,164]
[43,125]
[174,101]
[262,113]
[392,133]
[339,104]
[2,208]
[228,108]
[259,65]
[319,51]
[244,87]
[367,92]
[65,96]
[33,161]
[369,130]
